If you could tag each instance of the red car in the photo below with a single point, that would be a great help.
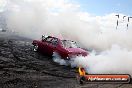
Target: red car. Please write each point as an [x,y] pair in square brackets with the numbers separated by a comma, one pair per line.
[65,48]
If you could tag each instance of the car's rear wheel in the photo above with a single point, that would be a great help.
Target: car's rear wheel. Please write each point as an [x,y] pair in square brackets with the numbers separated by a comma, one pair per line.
[35,48]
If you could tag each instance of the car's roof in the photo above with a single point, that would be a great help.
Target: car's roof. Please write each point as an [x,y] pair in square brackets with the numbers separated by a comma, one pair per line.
[52,37]
[61,39]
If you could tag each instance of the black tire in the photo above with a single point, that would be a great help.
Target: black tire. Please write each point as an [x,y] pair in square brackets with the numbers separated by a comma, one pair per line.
[35,48]
[82,80]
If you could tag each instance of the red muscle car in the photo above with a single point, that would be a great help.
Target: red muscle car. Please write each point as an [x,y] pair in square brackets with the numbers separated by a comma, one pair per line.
[65,48]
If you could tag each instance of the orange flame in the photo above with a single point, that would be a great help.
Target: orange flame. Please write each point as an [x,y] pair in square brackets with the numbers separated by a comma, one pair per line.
[81,71]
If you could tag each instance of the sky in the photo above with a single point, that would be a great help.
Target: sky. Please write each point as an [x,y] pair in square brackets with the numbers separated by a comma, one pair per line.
[103,7]
[95,7]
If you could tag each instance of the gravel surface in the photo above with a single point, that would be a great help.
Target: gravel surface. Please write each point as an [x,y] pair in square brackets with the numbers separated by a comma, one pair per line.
[20,67]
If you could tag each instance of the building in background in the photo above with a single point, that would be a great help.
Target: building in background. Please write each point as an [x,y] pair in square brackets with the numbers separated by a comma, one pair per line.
[3,25]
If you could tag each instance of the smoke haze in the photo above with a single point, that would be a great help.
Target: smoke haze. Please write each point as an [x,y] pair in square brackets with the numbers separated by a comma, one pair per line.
[32,18]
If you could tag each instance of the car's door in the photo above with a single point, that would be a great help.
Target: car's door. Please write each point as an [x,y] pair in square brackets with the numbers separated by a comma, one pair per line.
[47,45]
[61,50]
[44,47]
[52,46]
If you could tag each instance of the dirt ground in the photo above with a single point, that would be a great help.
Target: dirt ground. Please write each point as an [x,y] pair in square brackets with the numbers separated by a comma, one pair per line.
[20,67]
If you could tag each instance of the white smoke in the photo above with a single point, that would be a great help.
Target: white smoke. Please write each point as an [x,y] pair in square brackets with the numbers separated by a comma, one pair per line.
[58,59]
[116,60]
[2,5]
[32,18]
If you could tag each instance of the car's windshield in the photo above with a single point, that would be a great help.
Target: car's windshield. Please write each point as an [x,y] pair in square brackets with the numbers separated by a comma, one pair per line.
[69,44]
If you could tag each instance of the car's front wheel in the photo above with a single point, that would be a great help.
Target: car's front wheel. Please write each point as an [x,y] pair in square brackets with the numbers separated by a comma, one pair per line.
[35,48]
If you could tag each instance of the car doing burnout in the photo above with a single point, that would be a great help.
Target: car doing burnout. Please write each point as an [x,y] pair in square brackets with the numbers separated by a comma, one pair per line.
[65,48]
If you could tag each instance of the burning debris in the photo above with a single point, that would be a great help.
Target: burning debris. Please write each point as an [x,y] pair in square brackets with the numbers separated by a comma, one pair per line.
[82,74]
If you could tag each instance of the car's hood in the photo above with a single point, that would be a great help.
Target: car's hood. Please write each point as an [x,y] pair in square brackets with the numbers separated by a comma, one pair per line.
[75,50]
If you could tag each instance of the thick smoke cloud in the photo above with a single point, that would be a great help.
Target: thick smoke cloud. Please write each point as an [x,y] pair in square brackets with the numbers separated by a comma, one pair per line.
[114,61]
[32,18]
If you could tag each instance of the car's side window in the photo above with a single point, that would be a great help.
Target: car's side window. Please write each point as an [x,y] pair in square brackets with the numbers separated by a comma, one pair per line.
[55,41]
[49,40]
